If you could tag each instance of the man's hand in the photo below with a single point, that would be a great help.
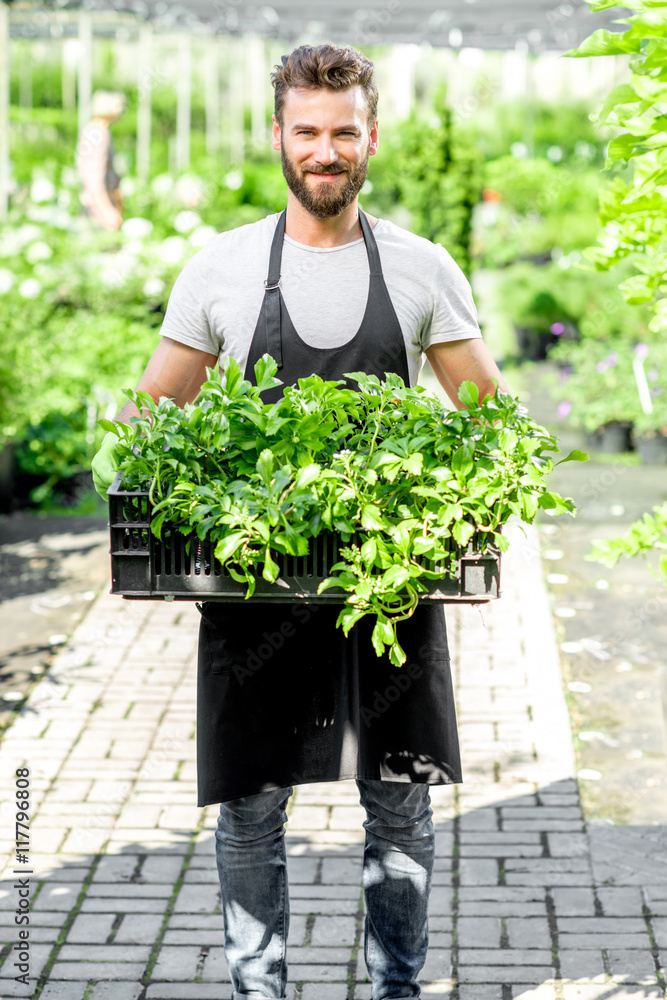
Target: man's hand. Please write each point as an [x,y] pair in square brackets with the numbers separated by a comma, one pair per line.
[105,464]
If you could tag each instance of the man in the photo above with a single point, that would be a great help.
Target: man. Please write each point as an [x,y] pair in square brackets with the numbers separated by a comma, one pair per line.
[100,195]
[283,696]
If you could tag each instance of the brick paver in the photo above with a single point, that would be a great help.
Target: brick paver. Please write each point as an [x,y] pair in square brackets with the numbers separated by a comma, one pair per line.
[124,892]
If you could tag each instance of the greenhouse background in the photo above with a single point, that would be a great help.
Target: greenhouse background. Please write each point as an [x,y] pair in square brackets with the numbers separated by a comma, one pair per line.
[544,174]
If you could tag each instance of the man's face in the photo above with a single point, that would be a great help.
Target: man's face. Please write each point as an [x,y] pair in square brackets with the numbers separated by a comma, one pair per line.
[324,144]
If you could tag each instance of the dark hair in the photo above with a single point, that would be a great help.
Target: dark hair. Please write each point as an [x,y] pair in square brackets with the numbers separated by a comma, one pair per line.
[326,65]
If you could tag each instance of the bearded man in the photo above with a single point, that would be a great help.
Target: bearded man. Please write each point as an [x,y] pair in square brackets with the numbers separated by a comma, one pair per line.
[325,289]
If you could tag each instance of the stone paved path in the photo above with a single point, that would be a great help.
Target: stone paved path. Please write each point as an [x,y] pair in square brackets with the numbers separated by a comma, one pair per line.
[124,890]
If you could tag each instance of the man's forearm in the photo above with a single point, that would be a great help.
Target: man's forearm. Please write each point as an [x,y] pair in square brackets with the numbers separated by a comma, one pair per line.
[125,415]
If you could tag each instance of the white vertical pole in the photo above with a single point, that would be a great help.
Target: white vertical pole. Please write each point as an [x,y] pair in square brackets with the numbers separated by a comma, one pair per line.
[69,57]
[403,77]
[212,95]
[236,102]
[144,103]
[85,67]
[257,72]
[183,99]
[25,59]
[4,109]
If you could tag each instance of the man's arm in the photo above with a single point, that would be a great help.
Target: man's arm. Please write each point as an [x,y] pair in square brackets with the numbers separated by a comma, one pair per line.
[175,370]
[459,360]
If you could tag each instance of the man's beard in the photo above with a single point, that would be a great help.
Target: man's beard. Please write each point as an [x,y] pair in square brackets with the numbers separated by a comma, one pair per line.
[329,199]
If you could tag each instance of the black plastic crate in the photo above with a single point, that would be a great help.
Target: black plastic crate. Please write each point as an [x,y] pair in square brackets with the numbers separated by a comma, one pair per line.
[181,567]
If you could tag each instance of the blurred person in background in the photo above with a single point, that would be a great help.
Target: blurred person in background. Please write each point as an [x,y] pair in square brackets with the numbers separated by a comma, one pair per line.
[100,196]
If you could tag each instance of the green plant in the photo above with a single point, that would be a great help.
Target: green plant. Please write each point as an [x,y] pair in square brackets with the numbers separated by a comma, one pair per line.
[539,297]
[598,386]
[434,170]
[634,211]
[541,206]
[54,450]
[642,538]
[384,463]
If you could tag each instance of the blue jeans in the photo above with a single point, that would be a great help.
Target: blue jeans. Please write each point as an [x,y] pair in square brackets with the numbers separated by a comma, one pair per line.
[397,869]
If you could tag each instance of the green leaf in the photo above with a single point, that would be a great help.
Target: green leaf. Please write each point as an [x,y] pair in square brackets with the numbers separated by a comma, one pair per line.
[395,577]
[606,43]
[229,546]
[265,371]
[371,518]
[397,654]
[369,551]
[462,460]
[265,465]
[414,463]
[463,532]
[271,568]
[574,456]
[623,94]
[108,425]
[306,476]
[469,394]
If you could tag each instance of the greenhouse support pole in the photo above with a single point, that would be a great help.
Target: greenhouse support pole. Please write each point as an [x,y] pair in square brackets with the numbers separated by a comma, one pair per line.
[68,69]
[257,73]
[212,96]
[183,99]
[85,67]
[25,80]
[144,102]
[236,102]
[4,110]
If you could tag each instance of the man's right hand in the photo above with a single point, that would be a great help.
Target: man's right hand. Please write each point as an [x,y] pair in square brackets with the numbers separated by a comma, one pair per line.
[105,464]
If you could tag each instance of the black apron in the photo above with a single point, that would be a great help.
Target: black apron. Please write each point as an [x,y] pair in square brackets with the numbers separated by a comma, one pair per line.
[283,697]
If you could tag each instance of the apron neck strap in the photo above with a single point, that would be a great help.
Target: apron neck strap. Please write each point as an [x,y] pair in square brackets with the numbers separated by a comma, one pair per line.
[275,257]
[371,246]
[276,254]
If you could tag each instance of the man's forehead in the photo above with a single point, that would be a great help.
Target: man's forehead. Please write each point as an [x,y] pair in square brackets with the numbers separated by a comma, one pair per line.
[322,102]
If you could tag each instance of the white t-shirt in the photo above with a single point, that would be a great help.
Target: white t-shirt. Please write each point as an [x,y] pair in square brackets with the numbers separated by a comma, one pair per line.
[216,300]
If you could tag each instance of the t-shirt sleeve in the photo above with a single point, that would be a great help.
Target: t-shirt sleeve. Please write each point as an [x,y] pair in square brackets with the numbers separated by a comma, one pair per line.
[187,317]
[454,316]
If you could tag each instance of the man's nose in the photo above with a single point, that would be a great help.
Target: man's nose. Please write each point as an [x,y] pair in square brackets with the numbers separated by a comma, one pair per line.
[326,150]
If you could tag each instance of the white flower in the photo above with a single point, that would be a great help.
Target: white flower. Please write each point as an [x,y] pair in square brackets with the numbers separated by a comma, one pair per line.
[186,220]
[117,268]
[189,189]
[202,235]
[153,287]
[162,184]
[42,189]
[233,180]
[127,186]
[173,249]
[30,288]
[137,227]
[38,251]
[69,177]
[6,280]
[133,246]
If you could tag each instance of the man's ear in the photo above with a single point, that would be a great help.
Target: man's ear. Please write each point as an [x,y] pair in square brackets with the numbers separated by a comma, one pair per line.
[374,139]
[275,139]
